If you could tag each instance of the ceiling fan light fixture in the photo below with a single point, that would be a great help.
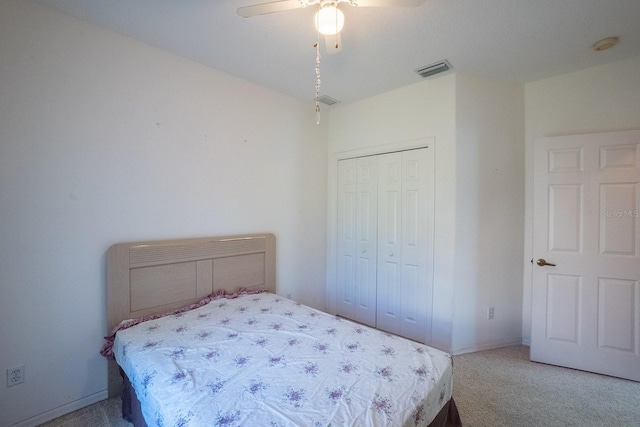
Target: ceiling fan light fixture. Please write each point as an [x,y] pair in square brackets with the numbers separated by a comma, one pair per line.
[329,19]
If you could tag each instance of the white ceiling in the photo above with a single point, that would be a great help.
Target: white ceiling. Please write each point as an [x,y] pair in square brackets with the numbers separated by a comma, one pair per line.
[521,40]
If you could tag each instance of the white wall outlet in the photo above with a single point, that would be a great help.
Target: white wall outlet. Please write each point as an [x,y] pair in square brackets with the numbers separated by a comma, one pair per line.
[490,313]
[15,375]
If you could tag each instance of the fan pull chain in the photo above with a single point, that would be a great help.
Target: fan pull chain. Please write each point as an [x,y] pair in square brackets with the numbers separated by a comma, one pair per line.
[317,46]
[337,32]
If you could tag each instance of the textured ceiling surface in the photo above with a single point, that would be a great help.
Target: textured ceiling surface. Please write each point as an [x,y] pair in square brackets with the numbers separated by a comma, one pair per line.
[518,40]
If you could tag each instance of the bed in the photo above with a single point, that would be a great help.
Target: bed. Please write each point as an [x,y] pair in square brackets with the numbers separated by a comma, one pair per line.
[199,336]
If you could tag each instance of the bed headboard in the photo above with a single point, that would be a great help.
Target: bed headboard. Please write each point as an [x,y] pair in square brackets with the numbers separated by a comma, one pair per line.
[145,278]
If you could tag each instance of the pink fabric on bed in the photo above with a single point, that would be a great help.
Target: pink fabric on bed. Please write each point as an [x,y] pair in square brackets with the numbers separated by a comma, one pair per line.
[107,348]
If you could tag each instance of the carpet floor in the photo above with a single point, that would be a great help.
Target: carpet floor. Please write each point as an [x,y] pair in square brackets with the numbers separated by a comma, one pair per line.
[503,388]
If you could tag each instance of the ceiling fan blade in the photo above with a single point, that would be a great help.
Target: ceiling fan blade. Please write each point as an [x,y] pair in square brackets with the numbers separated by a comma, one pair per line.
[385,3]
[272,7]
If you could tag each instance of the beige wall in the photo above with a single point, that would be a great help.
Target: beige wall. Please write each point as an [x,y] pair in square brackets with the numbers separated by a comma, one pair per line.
[490,213]
[104,139]
[395,119]
[477,125]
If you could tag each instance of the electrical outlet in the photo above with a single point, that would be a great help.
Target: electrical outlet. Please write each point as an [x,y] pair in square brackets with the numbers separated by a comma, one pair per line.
[15,375]
[490,313]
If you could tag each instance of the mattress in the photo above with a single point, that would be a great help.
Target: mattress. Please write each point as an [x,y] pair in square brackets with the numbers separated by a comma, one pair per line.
[261,359]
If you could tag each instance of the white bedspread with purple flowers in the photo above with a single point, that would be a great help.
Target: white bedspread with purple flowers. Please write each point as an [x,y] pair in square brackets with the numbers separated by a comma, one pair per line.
[264,360]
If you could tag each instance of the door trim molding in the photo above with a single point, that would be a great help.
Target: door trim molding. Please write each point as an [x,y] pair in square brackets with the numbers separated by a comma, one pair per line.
[413,144]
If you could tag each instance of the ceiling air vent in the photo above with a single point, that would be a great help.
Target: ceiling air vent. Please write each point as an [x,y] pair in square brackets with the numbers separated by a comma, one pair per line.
[328,100]
[436,68]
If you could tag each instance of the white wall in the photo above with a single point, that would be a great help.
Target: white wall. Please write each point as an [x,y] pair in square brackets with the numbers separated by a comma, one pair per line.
[104,139]
[478,126]
[600,99]
[490,213]
[396,118]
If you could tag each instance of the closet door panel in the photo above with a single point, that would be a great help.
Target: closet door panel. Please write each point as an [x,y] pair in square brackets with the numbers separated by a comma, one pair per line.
[389,241]
[357,235]
[411,294]
[366,244]
[346,262]
[412,265]
[385,241]
[417,244]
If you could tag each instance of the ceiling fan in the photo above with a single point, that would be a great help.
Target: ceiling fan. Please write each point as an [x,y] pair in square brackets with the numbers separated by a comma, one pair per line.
[282,5]
[329,20]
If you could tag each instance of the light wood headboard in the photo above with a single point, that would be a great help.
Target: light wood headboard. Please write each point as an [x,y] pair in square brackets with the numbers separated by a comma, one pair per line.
[145,278]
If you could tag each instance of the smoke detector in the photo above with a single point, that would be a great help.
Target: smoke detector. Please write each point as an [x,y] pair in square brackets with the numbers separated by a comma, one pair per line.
[605,44]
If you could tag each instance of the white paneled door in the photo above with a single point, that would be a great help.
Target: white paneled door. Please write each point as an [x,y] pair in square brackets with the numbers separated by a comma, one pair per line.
[357,239]
[385,241]
[586,243]
[405,243]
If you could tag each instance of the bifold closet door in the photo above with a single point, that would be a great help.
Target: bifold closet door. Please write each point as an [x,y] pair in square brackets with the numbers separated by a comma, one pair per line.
[357,239]
[405,243]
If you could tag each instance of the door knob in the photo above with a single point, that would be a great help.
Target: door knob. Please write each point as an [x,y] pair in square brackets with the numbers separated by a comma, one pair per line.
[541,262]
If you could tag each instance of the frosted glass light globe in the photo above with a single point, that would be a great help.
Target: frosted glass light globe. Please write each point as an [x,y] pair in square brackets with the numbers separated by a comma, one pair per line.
[329,20]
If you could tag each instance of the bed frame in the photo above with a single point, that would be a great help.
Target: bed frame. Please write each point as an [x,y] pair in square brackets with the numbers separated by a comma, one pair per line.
[145,278]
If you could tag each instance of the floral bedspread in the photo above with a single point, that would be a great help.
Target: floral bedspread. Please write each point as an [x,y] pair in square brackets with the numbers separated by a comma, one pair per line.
[264,360]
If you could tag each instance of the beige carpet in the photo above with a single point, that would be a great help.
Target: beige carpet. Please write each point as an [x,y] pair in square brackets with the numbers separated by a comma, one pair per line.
[102,414]
[492,388]
[503,388]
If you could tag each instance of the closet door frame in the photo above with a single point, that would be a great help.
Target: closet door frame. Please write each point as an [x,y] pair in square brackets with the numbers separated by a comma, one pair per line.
[332,220]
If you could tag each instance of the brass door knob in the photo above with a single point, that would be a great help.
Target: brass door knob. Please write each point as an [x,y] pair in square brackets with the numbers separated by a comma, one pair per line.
[541,262]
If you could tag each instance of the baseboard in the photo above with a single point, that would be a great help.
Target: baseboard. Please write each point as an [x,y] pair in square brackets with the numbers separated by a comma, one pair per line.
[487,346]
[63,410]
